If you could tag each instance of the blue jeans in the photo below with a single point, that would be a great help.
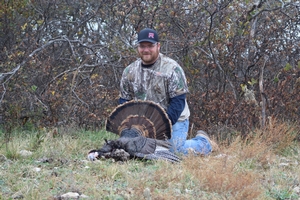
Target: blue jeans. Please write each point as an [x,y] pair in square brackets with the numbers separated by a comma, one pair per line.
[180,144]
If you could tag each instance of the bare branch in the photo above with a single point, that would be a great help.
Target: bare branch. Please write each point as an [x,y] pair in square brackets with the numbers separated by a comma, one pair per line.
[263,95]
[5,77]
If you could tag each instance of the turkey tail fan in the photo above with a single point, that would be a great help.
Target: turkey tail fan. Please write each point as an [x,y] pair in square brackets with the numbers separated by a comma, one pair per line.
[149,118]
[160,155]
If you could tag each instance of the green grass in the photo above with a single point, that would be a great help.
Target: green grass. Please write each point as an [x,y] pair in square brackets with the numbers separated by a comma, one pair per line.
[58,164]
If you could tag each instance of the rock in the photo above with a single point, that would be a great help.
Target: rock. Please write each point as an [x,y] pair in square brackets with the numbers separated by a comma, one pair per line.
[296,190]
[37,169]
[17,195]
[70,195]
[147,194]
[2,158]
[283,164]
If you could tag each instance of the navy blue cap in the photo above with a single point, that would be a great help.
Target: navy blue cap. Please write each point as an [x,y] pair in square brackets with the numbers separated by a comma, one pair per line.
[148,35]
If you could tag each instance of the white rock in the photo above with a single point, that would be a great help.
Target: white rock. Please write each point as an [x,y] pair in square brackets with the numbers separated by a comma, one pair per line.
[37,169]
[70,195]
[297,190]
[284,164]
[147,194]
[188,191]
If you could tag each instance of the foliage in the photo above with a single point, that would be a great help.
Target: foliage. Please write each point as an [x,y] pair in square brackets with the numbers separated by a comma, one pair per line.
[251,168]
[61,61]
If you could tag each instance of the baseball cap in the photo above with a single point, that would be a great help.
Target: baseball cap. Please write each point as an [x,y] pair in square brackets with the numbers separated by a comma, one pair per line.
[148,35]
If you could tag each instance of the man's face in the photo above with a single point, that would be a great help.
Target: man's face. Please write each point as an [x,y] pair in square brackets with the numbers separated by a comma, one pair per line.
[148,52]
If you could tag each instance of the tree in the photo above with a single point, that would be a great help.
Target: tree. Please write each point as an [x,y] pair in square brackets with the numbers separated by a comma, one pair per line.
[61,61]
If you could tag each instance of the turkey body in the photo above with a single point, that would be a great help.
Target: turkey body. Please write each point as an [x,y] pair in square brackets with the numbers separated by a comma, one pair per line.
[144,128]
[136,147]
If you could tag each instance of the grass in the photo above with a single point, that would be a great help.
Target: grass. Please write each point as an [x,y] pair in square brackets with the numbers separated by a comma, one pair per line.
[263,166]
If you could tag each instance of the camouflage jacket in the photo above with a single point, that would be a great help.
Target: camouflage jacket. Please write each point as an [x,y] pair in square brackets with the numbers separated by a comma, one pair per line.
[158,83]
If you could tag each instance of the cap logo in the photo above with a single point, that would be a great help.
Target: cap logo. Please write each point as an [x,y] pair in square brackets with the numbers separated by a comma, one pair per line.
[151,35]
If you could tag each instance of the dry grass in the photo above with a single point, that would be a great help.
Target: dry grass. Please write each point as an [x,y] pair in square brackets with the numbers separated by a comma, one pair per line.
[263,166]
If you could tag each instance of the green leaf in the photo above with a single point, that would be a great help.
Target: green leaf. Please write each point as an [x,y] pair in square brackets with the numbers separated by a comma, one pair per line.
[34,87]
[40,22]
[253,81]
[287,67]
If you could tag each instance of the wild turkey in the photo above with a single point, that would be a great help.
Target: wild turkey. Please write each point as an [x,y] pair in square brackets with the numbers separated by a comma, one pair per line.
[144,128]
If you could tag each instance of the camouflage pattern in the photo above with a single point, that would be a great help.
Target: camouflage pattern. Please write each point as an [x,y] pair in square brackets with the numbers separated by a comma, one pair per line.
[158,83]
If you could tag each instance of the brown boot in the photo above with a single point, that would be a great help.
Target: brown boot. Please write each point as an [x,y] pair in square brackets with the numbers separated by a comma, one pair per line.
[214,145]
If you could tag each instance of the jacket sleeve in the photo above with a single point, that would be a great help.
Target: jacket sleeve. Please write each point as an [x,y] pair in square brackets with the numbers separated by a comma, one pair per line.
[121,100]
[176,107]
[125,86]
